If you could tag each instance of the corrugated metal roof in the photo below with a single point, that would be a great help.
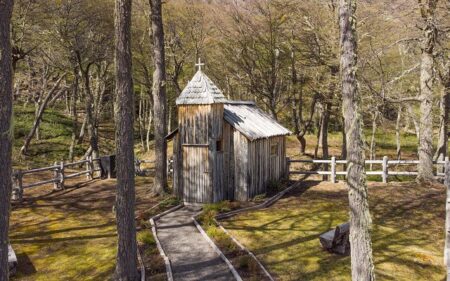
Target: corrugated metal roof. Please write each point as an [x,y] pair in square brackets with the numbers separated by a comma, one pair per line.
[201,90]
[252,121]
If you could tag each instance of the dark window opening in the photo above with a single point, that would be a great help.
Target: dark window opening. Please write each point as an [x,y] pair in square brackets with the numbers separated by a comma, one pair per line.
[219,145]
[274,149]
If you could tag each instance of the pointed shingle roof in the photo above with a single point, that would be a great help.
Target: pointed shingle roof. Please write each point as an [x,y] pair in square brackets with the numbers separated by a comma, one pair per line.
[201,90]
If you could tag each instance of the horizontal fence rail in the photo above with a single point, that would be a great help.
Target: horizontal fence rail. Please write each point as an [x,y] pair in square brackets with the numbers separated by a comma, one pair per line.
[385,172]
[59,175]
[140,171]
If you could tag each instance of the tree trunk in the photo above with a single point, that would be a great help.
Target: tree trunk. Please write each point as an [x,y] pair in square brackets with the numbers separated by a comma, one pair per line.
[159,97]
[74,113]
[141,118]
[372,138]
[319,130]
[324,135]
[90,122]
[126,266]
[301,139]
[39,114]
[149,127]
[413,118]
[82,130]
[6,131]
[397,133]
[425,167]
[360,240]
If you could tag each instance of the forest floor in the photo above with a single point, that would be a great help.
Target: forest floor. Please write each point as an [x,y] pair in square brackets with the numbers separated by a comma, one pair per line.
[71,234]
[408,228]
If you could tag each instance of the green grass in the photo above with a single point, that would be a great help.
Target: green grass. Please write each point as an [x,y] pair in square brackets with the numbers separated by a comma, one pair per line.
[55,138]
[62,244]
[407,233]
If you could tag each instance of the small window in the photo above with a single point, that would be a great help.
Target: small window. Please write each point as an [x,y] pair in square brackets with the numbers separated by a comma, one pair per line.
[274,149]
[219,146]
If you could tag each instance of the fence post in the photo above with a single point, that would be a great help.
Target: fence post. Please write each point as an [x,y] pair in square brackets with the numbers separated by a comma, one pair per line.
[91,167]
[385,169]
[61,175]
[288,167]
[56,175]
[17,193]
[137,166]
[88,168]
[447,219]
[333,169]
[446,160]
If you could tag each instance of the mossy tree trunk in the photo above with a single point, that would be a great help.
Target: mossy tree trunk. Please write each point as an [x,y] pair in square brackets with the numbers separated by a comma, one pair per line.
[126,266]
[6,131]
[360,240]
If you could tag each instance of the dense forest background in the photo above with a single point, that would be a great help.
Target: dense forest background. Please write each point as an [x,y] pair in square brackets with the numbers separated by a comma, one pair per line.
[284,55]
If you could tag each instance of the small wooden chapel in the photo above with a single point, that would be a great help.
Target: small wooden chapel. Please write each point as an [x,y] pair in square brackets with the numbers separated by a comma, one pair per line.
[222,149]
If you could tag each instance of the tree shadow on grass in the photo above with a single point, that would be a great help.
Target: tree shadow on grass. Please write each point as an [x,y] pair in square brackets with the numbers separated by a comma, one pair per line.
[24,267]
[406,234]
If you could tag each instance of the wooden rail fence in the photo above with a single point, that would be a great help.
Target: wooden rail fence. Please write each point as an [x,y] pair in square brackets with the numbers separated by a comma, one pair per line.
[140,171]
[385,172]
[58,179]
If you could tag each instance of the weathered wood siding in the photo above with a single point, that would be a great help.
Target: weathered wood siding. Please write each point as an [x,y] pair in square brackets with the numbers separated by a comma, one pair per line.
[241,175]
[228,154]
[177,167]
[202,125]
[196,174]
[199,123]
[254,165]
[264,166]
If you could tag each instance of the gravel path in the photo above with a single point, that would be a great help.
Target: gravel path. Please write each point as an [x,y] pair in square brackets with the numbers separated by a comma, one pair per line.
[191,256]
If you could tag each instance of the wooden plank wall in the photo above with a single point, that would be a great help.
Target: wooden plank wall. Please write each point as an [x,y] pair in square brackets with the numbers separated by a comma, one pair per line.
[260,167]
[202,125]
[241,175]
[196,176]
[228,171]
[242,171]
[177,167]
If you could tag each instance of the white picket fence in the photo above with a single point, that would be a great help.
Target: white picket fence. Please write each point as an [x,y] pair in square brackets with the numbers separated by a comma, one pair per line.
[385,172]
[59,176]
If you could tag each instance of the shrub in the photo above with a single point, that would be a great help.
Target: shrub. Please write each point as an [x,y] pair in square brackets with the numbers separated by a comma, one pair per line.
[169,202]
[222,240]
[146,237]
[259,197]
[210,211]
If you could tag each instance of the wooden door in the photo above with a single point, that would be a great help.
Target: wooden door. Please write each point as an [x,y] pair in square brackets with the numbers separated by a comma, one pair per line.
[196,175]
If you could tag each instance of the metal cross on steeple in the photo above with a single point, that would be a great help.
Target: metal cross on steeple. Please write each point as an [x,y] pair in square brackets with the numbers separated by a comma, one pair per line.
[199,64]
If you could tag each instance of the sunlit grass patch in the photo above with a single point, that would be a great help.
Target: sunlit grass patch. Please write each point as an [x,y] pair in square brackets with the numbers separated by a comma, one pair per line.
[407,233]
[64,244]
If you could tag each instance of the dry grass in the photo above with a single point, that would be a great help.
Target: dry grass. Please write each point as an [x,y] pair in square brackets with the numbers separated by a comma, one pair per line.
[407,232]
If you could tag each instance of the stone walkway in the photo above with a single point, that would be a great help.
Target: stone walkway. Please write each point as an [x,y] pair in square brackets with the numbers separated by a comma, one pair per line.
[191,256]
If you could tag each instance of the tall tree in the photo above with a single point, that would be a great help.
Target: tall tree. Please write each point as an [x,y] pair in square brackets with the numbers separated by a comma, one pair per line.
[159,96]
[425,167]
[6,130]
[360,241]
[126,267]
